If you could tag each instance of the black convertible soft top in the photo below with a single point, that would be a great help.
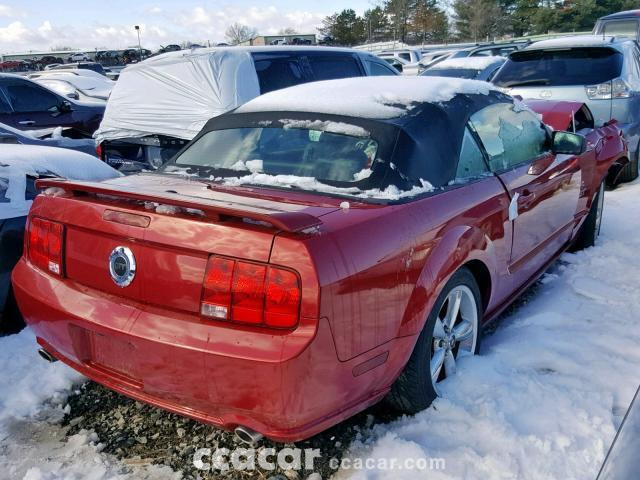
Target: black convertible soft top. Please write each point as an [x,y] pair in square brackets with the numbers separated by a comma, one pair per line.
[424,143]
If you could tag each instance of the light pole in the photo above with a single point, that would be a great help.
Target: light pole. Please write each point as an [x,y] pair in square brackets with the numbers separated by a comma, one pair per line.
[137,27]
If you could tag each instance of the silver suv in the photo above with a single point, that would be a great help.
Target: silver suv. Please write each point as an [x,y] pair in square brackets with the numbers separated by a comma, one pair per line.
[603,72]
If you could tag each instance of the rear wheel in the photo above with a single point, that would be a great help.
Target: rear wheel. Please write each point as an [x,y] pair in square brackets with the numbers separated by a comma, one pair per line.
[451,332]
[590,229]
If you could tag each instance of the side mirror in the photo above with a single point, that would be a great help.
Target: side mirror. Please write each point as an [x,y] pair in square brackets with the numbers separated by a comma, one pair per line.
[64,107]
[73,95]
[568,143]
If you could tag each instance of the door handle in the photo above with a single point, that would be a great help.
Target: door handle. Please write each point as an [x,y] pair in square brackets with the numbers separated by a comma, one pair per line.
[27,122]
[527,197]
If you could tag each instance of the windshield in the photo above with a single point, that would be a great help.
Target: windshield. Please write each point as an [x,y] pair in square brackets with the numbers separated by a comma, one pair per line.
[573,66]
[469,73]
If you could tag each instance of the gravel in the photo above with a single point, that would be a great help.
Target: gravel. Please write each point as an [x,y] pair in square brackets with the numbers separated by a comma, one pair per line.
[140,434]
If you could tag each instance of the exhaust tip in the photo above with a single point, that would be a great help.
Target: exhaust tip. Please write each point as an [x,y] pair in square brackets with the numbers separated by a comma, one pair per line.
[46,355]
[247,435]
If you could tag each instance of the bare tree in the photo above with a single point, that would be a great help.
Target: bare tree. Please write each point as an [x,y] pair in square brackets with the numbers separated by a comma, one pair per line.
[238,33]
[287,31]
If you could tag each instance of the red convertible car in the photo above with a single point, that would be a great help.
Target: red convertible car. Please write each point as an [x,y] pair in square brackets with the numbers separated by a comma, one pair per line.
[310,253]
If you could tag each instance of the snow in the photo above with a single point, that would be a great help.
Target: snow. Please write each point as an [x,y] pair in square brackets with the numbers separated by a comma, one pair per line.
[327,126]
[468,63]
[97,85]
[572,41]
[18,161]
[551,386]
[310,183]
[368,97]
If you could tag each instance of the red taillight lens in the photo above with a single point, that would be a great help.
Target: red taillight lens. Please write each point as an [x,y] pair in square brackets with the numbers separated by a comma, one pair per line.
[216,295]
[45,244]
[247,300]
[282,302]
[99,150]
[251,293]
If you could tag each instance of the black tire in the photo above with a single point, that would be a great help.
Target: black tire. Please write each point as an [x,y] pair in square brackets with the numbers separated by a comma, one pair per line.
[11,320]
[590,229]
[413,391]
[630,170]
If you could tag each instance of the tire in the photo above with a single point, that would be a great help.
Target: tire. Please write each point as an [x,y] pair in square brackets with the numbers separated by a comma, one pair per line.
[414,390]
[11,320]
[630,170]
[590,229]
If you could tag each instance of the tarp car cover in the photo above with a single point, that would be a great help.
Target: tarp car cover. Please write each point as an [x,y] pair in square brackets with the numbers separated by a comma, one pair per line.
[174,94]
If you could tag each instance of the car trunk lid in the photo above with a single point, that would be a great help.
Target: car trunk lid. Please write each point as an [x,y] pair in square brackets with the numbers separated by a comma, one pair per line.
[171,226]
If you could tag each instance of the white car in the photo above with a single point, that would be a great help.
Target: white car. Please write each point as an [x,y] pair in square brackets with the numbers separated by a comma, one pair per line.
[20,167]
[78,84]
[79,57]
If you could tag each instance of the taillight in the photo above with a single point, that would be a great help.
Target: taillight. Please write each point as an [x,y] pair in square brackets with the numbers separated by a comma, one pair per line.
[99,150]
[250,293]
[616,88]
[44,245]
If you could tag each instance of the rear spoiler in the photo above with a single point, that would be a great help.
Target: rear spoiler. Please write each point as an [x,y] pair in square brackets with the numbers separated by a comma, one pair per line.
[289,221]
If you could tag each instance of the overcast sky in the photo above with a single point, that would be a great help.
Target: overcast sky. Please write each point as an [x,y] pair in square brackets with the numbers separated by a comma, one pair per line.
[42,24]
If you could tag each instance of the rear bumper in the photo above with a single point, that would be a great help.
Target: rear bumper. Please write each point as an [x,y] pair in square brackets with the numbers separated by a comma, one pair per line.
[287,387]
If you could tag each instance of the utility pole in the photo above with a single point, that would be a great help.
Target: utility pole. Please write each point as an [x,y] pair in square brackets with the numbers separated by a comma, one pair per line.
[137,27]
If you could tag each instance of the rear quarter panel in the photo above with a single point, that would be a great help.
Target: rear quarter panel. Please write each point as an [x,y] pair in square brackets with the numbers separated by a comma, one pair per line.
[381,268]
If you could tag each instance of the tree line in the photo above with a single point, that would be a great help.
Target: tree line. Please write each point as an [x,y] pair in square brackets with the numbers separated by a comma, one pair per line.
[440,21]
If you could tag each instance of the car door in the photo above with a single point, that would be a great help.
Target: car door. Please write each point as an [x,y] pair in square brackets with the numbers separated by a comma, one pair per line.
[34,106]
[544,188]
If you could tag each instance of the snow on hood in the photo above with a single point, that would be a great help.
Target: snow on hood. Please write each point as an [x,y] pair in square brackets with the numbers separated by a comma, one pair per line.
[368,97]
[18,161]
[176,94]
[468,63]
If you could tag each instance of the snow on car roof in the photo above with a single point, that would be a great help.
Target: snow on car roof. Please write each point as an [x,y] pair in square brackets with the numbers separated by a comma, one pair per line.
[365,97]
[468,63]
[18,161]
[575,41]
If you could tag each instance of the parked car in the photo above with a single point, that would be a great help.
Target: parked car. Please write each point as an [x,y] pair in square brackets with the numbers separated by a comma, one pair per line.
[96,67]
[622,461]
[85,85]
[475,68]
[308,247]
[20,166]
[399,63]
[499,49]
[42,62]
[603,73]
[26,105]
[165,116]
[409,55]
[619,24]
[78,57]
[48,137]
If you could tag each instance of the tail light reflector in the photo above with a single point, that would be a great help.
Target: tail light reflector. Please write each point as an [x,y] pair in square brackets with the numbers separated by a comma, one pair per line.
[44,247]
[99,150]
[251,293]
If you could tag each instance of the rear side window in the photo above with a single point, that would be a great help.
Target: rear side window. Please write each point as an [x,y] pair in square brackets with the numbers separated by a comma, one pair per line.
[510,137]
[471,163]
[621,28]
[575,66]
[377,69]
[329,67]
[278,72]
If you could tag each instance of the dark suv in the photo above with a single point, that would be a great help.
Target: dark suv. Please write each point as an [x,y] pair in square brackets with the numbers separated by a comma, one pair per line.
[146,135]
[26,105]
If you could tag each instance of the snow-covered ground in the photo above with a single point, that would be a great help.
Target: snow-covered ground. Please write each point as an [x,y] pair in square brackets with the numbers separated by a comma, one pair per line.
[543,401]
[551,386]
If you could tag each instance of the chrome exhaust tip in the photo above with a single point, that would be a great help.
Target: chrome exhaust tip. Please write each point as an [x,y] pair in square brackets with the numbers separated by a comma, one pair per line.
[46,355]
[246,435]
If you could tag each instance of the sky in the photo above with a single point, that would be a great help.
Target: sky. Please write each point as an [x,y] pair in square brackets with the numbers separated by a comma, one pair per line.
[32,25]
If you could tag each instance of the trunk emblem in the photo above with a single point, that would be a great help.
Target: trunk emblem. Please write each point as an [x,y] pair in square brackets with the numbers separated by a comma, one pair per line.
[122,266]
[546,94]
